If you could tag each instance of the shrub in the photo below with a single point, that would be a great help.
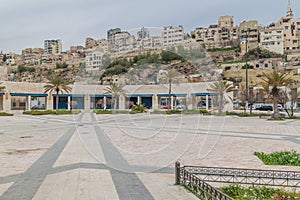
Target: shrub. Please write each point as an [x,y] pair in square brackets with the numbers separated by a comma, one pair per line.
[5,114]
[139,108]
[103,112]
[50,112]
[169,112]
[250,193]
[204,112]
[287,158]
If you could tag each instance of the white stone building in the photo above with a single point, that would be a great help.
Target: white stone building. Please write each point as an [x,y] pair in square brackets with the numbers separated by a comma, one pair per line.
[93,60]
[272,39]
[173,36]
[53,46]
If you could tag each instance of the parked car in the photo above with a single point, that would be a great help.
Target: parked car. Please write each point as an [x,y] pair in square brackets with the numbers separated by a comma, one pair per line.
[165,107]
[264,108]
[180,107]
[202,105]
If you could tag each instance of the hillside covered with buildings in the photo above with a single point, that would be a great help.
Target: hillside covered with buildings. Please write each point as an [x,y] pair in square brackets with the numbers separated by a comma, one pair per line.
[202,54]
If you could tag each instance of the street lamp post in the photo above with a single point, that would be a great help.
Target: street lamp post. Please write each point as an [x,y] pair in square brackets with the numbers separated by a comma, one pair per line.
[247,95]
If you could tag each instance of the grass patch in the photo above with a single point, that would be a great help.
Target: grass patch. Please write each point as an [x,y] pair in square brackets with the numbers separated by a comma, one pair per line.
[286,158]
[51,112]
[158,112]
[242,114]
[235,62]
[279,119]
[99,112]
[236,48]
[294,117]
[170,112]
[258,192]
[5,114]
[185,112]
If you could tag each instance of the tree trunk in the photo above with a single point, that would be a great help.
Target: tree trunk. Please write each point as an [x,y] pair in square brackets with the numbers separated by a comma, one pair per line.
[115,104]
[275,108]
[220,109]
[57,99]
[169,98]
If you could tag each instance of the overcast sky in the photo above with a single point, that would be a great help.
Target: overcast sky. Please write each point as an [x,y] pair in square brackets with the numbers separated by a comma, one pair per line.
[27,23]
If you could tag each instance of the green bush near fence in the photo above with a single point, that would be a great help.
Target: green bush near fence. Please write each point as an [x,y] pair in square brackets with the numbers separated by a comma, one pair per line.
[50,112]
[5,114]
[98,112]
[258,192]
[287,158]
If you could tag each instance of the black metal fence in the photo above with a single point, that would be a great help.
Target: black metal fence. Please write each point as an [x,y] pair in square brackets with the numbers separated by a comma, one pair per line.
[199,187]
[196,178]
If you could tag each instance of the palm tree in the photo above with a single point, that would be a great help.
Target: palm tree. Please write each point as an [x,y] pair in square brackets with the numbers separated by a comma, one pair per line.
[116,90]
[294,96]
[271,84]
[58,85]
[1,87]
[221,87]
[170,75]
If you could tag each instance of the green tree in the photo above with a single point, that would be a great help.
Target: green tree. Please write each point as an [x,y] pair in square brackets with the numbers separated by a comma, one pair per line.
[21,68]
[271,83]
[57,85]
[116,90]
[106,60]
[4,58]
[1,87]
[167,56]
[62,65]
[221,87]
[294,94]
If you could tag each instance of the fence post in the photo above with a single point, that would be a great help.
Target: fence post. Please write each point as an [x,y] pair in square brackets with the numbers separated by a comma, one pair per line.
[177,173]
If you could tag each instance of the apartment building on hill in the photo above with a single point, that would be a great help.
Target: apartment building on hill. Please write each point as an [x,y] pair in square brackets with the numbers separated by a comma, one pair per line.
[53,46]
[173,36]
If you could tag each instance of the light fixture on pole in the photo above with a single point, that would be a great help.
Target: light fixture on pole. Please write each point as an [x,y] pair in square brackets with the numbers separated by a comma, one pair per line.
[247,95]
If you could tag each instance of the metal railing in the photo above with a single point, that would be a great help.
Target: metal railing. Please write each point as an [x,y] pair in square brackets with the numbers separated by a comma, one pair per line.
[246,176]
[199,187]
[196,179]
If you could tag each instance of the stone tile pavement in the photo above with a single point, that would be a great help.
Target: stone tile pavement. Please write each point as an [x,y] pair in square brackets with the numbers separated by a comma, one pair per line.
[127,156]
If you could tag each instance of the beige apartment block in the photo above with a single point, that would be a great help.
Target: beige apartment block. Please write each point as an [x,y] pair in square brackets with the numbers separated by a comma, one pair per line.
[249,35]
[32,56]
[226,21]
[76,49]
[272,39]
[291,31]
[53,46]
[228,34]
[123,42]
[208,36]
[93,60]
[173,36]
[90,43]
[221,35]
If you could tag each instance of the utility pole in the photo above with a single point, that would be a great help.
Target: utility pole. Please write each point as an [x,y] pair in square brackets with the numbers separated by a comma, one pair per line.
[247,95]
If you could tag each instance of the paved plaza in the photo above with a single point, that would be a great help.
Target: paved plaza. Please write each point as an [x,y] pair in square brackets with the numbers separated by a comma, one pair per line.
[128,157]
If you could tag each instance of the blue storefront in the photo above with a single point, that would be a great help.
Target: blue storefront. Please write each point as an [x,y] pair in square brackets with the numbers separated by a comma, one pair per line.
[144,99]
[203,100]
[28,101]
[69,101]
[101,101]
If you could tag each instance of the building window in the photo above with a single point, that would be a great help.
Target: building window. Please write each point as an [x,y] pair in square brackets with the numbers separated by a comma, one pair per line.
[38,103]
